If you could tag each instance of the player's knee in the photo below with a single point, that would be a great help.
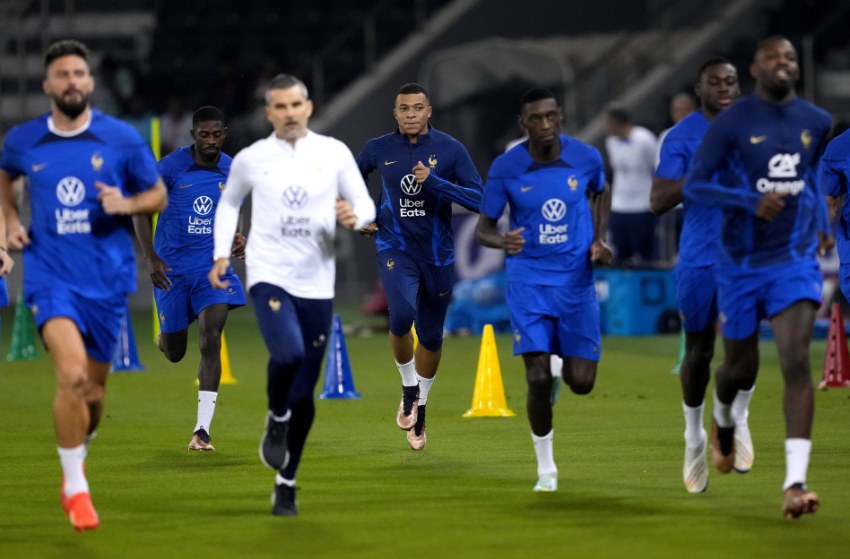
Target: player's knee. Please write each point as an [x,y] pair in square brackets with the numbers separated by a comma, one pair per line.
[582,381]
[286,356]
[94,394]
[432,342]
[72,381]
[210,343]
[174,355]
[539,383]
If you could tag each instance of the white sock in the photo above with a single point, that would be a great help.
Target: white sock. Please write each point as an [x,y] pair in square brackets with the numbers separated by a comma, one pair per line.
[284,417]
[722,413]
[693,424]
[741,405]
[424,388]
[408,372]
[206,409]
[544,452]
[72,466]
[280,480]
[796,461]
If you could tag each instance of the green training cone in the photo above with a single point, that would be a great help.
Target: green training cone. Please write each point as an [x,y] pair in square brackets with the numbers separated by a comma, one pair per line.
[23,333]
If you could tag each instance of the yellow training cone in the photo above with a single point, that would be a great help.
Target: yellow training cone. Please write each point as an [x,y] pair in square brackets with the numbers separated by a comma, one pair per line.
[488,399]
[226,374]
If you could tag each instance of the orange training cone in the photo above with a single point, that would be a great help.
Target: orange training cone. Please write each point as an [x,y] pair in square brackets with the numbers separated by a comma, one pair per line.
[836,362]
[488,398]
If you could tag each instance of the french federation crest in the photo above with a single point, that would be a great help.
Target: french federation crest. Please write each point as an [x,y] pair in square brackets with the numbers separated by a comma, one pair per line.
[96,161]
[432,161]
[572,182]
[390,264]
[806,138]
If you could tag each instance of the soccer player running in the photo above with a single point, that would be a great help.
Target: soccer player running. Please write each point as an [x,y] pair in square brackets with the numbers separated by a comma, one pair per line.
[559,202]
[87,173]
[696,288]
[767,148]
[301,184]
[179,255]
[423,171]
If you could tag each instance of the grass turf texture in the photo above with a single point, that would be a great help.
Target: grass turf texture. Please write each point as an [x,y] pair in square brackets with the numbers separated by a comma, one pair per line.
[363,493]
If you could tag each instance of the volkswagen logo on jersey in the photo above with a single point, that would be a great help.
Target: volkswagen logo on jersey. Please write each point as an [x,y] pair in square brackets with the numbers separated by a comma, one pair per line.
[554,209]
[202,205]
[782,166]
[295,197]
[409,185]
[71,191]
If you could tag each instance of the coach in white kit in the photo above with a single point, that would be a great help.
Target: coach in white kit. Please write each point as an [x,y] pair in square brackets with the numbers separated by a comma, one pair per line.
[302,183]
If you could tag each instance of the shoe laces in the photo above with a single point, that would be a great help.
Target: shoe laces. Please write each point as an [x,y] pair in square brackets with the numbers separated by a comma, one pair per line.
[420,421]
[409,396]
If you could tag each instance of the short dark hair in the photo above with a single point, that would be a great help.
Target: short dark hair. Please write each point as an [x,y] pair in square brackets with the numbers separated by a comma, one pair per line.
[618,113]
[713,61]
[412,88]
[762,43]
[206,113]
[536,94]
[285,81]
[66,47]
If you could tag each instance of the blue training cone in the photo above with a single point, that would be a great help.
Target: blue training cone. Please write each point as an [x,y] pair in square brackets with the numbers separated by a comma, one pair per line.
[339,384]
[126,356]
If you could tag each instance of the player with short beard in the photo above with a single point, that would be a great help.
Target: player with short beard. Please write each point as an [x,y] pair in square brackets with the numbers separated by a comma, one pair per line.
[751,164]
[87,172]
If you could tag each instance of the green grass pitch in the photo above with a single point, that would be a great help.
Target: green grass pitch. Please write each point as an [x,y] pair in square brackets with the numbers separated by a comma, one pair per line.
[364,494]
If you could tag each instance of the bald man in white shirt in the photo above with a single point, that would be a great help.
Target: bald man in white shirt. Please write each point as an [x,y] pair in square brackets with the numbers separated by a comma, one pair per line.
[302,183]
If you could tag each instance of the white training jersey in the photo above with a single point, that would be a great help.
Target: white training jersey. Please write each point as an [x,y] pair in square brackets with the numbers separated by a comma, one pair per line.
[633,163]
[293,216]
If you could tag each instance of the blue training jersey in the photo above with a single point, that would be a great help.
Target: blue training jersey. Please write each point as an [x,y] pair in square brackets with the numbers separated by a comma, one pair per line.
[550,201]
[763,147]
[74,241]
[700,239]
[835,176]
[417,219]
[184,231]
[4,294]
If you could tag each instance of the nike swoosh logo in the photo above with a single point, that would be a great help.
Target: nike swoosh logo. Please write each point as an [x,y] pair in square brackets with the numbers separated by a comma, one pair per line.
[38,167]
[444,293]
[757,139]
[525,188]
[389,162]
[184,186]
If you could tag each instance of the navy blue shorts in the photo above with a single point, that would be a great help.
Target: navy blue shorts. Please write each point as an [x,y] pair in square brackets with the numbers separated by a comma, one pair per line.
[416,292]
